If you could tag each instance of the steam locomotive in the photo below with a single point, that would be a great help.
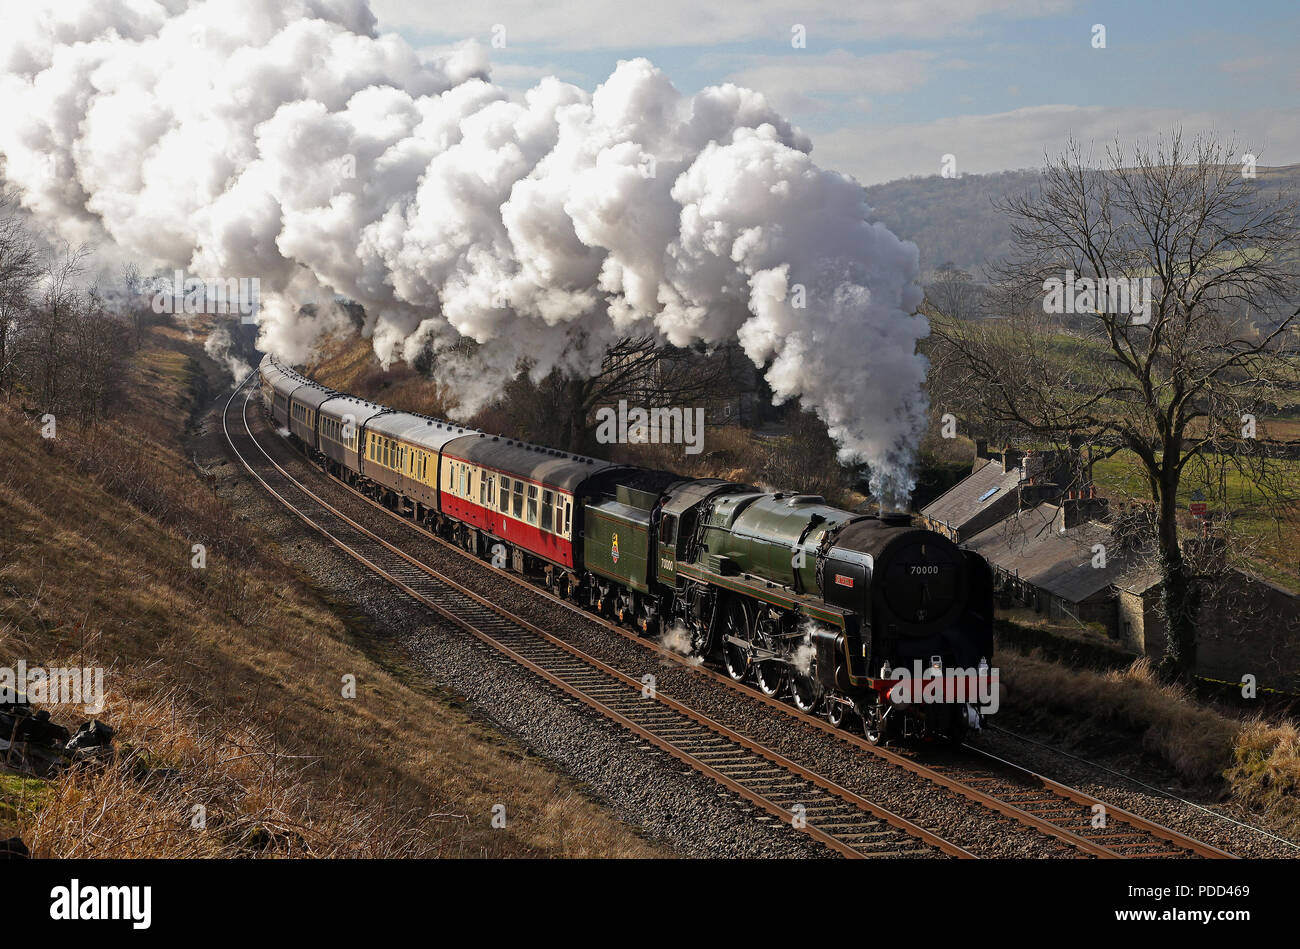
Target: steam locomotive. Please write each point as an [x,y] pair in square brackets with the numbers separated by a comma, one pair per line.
[862,618]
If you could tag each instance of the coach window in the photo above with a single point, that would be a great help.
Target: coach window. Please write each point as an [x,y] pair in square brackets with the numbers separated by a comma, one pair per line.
[568,515]
[519,500]
[532,504]
[548,511]
[503,500]
[491,482]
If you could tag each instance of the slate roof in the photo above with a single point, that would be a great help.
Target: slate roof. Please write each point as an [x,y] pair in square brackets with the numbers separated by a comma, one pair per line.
[961,503]
[1031,546]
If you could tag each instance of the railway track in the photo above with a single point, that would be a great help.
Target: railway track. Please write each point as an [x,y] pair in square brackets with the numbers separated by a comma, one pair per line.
[834,816]
[1082,821]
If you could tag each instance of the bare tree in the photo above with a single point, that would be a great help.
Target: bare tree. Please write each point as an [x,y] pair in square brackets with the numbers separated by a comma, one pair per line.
[1172,384]
[137,311]
[558,409]
[51,323]
[953,294]
[97,349]
[20,268]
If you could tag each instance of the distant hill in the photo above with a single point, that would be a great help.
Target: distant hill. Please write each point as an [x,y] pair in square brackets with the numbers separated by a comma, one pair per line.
[953,221]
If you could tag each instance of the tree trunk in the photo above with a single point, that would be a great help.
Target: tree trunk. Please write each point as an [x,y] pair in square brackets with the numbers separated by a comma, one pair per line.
[1178,594]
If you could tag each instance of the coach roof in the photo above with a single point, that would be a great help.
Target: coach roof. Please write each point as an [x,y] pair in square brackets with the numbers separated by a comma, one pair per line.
[550,466]
[421,430]
[311,394]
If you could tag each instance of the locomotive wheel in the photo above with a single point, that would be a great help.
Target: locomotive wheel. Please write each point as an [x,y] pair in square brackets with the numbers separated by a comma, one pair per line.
[837,712]
[769,674]
[736,625]
[805,692]
[878,728]
[872,727]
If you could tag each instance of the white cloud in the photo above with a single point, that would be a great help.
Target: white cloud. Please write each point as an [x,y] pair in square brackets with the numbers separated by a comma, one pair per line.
[1018,139]
[790,79]
[599,24]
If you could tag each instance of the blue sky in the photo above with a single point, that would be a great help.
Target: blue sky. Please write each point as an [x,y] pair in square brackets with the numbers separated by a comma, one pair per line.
[885,89]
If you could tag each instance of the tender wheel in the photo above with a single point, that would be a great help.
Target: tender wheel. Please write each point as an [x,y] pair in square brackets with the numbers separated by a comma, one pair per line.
[735,639]
[647,621]
[769,674]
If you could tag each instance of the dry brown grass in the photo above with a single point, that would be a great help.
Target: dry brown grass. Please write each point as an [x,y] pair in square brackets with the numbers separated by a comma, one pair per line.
[224,683]
[176,788]
[1254,762]
[1265,772]
[1195,741]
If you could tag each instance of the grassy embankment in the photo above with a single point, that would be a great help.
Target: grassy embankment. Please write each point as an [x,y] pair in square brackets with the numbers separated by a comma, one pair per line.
[224,683]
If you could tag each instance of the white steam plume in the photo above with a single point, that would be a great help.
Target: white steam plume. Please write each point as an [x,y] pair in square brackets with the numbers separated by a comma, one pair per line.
[287,140]
[220,346]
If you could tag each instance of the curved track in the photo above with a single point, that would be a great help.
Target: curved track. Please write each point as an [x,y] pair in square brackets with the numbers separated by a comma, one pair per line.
[1078,819]
[832,815]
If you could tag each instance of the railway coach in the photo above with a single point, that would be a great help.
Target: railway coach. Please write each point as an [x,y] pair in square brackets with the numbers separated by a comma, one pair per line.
[277,389]
[340,421]
[399,463]
[524,497]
